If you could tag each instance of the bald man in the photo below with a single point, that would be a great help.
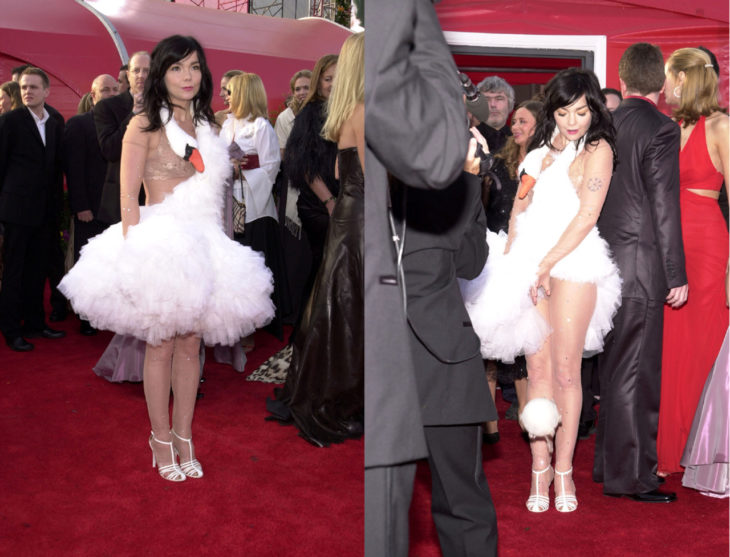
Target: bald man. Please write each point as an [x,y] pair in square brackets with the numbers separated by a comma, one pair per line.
[111,117]
[85,168]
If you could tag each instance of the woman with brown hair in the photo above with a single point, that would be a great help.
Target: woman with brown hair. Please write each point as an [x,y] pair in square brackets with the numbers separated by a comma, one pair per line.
[498,197]
[694,332]
[309,162]
[10,98]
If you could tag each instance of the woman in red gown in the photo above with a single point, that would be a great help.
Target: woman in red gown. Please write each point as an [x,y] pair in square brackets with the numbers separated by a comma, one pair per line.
[694,332]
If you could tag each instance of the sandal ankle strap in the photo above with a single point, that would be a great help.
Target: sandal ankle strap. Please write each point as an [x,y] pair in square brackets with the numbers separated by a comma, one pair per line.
[156,440]
[565,473]
[182,438]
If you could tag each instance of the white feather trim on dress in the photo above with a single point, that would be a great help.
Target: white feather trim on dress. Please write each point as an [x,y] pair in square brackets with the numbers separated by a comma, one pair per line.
[176,272]
[498,301]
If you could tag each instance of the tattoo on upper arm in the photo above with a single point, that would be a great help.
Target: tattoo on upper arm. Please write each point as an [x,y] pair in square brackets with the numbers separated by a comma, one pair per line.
[594,184]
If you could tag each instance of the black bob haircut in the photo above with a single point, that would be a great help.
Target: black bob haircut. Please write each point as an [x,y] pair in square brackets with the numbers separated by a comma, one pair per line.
[168,52]
[566,87]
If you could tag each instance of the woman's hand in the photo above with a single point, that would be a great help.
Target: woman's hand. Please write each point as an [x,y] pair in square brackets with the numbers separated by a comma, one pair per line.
[237,164]
[330,205]
[542,281]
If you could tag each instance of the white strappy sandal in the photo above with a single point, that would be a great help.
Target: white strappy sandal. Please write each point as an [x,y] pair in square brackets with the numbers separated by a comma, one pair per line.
[537,503]
[565,503]
[170,472]
[191,468]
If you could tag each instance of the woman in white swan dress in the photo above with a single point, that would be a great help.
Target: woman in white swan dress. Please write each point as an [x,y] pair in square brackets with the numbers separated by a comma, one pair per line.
[168,274]
[550,288]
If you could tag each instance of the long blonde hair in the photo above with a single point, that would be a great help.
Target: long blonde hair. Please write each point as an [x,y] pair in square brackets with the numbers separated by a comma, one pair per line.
[248,96]
[699,95]
[348,89]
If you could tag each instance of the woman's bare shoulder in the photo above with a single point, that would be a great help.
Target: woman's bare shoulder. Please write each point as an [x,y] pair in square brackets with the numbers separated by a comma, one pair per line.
[601,146]
[136,131]
[718,123]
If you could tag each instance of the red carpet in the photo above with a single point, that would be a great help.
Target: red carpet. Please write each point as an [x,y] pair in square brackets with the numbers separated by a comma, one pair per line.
[76,476]
[602,526]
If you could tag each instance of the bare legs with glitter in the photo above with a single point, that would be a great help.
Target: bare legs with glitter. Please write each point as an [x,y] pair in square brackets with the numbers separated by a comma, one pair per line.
[173,364]
[554,373]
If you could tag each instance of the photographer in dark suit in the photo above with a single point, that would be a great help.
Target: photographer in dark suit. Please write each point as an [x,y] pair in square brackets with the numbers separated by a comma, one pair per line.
[416,130]
[111,117]
[31,189]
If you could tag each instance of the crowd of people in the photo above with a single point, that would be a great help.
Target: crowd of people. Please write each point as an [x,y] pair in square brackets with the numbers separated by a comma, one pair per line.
[571,250]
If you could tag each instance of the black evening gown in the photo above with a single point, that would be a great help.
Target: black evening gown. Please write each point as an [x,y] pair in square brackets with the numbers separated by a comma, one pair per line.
[498,198]
[323,394]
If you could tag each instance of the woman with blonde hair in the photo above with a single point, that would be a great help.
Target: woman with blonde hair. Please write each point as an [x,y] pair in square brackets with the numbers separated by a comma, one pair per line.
[694,332]
[323,394]
[255,150]
[10,98]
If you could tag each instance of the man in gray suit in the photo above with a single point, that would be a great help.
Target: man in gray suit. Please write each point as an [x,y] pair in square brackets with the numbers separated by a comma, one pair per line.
[640,221]
[408,66]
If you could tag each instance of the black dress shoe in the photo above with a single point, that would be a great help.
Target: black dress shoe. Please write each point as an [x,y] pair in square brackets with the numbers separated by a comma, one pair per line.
[46,332]
[490,438]
[586,429]
[654,496]
[19,344]
[86,329]
[58,315]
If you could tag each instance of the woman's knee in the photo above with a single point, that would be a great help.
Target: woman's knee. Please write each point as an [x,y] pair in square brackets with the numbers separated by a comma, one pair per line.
[187,346]
[161,352]
[567,375]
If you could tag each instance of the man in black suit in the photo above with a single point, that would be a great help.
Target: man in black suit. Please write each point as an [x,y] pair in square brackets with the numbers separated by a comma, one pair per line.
[30,200]
[111,117]
[416,130]
[640,221]
[85,168]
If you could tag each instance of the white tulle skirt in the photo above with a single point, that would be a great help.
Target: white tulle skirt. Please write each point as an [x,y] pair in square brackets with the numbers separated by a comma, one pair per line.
[498,301]
[176,272]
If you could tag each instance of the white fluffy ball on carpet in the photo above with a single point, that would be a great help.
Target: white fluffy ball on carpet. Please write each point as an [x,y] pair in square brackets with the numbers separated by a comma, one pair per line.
[540,417]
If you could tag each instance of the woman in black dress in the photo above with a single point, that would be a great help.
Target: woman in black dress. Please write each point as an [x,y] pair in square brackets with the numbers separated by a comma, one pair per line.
[323,394]
[498,195]
[309,163]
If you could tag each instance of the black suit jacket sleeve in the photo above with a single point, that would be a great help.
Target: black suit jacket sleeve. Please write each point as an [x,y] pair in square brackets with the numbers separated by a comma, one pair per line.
[473,251]
[661,177]
[416,119]
[110,127]
[76,165]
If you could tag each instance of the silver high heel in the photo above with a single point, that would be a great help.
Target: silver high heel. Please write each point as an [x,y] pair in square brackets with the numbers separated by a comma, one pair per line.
[192,467]
[537,503]
[171,472]
[565,503]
